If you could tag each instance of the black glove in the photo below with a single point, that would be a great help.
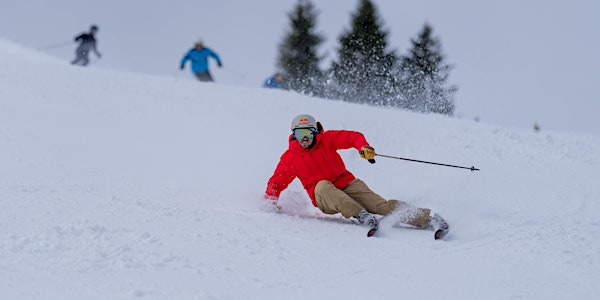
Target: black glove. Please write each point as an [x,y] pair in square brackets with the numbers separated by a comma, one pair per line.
[182,67]
[219,64]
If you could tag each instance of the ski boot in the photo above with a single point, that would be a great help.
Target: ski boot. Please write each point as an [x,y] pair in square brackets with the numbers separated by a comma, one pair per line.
[364,217]
[439,226]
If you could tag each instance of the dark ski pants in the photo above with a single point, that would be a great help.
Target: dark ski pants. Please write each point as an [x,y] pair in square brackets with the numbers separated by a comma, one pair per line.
[357,195]
[81,56]
[204,76]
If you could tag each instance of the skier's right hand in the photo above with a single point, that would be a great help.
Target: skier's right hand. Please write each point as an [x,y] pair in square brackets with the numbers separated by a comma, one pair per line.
[273,200]
[278,207]
[181,67]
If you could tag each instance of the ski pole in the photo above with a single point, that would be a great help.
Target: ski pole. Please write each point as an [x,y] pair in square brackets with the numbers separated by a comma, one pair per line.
[428,162]
[241,75]
[56,46]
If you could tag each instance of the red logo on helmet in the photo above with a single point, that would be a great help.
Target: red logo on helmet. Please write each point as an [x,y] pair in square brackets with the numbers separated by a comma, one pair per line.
[303,121]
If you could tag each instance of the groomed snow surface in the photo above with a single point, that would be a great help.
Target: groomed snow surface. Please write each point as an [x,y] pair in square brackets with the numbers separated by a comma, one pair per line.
[128,186]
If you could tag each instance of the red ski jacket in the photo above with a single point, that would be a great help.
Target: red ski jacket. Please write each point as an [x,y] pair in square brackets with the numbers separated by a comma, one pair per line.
[320,162]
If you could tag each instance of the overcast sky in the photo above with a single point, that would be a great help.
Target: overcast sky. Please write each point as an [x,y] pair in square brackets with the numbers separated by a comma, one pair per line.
[516,62]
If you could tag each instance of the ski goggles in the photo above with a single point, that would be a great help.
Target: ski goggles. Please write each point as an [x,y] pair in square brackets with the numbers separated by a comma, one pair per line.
[300,133]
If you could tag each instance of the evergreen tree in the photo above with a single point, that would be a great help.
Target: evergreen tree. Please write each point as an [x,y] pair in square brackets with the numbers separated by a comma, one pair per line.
[424,76]
[364,70]
[298,52]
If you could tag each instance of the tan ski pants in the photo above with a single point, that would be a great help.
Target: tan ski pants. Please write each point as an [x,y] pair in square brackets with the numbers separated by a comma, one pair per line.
[357,195]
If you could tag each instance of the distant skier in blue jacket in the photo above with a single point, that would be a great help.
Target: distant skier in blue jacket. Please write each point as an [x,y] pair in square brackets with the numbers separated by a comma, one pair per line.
[199,57]
[274,82]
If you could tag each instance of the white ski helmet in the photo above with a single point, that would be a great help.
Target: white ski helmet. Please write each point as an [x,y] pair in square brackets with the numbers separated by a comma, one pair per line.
[304,121]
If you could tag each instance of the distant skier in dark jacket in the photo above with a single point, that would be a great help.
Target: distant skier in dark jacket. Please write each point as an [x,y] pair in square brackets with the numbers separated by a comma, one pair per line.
[199,58]
[87,43]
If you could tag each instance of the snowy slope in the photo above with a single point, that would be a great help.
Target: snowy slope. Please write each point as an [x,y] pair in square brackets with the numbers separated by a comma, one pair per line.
[121,186]
[510,74]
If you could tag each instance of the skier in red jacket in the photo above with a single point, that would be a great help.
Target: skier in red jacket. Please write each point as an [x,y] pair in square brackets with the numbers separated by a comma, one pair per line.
[312,157]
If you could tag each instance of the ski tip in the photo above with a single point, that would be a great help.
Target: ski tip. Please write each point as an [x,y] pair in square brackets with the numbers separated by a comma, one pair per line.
[439,234]
[371,232]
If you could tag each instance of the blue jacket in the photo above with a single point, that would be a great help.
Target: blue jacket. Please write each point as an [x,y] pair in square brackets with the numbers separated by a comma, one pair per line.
[272,82]
[199,59]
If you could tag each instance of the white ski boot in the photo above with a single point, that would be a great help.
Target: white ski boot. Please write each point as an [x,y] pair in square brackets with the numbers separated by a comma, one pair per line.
[364,217]
[439,226]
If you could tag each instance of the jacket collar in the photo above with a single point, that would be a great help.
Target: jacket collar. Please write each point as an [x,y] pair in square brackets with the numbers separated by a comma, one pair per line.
[295,146]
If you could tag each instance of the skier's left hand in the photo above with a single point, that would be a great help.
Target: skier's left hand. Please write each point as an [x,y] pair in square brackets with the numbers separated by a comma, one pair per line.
[368,153]
[219,64]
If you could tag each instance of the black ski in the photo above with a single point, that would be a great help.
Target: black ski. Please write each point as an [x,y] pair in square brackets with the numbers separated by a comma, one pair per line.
[440,228]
